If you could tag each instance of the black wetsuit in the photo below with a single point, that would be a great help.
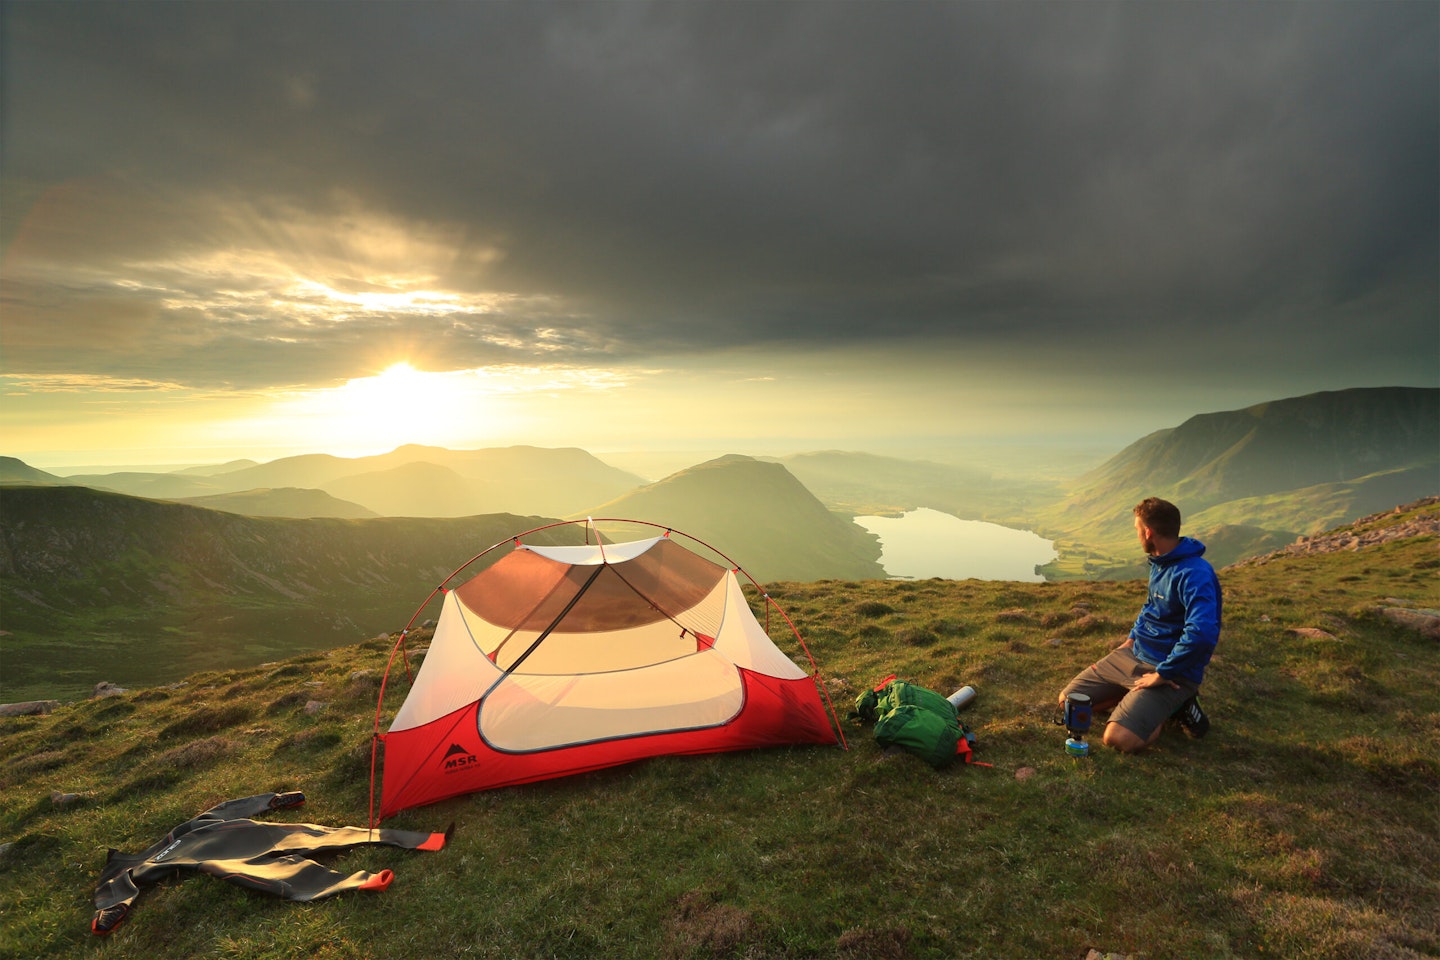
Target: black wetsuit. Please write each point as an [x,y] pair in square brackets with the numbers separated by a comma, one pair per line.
[225,843]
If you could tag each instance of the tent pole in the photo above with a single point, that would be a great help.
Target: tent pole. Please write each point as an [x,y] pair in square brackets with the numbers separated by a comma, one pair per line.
[554,623]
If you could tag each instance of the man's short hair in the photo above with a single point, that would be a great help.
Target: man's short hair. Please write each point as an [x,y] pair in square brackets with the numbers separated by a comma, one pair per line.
[1162,516]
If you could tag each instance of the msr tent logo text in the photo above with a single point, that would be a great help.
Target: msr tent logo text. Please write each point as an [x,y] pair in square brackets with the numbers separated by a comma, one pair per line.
[457,758]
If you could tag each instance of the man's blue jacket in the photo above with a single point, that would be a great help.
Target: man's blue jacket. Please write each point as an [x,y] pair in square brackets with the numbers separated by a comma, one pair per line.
[1179,625]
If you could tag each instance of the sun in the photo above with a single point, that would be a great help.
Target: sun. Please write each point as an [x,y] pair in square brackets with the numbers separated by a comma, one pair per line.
[399,405]
[399,370]
[405,405]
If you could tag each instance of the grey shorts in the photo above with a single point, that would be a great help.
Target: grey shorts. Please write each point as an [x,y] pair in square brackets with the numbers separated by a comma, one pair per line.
[1109,682]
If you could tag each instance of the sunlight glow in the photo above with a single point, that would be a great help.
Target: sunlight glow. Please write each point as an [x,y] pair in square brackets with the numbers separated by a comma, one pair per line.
[309,294]
[401,404]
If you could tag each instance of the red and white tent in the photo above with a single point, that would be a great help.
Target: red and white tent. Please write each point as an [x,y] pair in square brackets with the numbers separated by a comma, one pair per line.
[556,660]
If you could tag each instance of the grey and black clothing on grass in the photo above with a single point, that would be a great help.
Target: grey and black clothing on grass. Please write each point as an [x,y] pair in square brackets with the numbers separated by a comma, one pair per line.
[271,857]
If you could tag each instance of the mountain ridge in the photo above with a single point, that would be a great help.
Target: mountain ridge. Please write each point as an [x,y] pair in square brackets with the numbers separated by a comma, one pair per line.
[520,479]
[766,518]
[1245,480]
[1283,468]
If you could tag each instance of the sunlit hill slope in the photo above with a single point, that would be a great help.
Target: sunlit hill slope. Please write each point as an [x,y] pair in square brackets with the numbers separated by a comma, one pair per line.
[1250,480]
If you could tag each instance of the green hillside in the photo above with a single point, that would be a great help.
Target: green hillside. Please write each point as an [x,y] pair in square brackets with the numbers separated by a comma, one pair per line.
[14,471]
[1283,469]
[285,502]
[99,586]
[1303,826]
[760,516]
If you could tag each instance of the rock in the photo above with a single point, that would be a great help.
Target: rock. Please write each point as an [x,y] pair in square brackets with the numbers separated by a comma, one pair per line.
[106,689]
[63,799]
[1312,633]
[1424,622]
[1024,773]
[1354,537]
[313,707]
[28,708]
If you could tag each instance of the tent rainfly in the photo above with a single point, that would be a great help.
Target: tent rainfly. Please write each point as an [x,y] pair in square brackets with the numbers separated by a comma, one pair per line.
[557,660]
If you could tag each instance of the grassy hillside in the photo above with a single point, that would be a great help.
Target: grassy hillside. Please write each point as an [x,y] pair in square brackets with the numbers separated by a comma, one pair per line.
[1303,826]
[18,471]
[1282,469]
[98,586]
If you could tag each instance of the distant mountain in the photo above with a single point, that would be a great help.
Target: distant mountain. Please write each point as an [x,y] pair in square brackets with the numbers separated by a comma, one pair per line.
[91,580]
[418,481]
[864,483]
[417,489]
[18,471]
[211,470]
[311,470]
[555,482]
[155,486]
[413,481]
[1276,470]
[760,516]
[285,502]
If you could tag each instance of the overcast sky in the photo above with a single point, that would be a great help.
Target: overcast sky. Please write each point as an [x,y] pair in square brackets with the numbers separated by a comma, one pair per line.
[746,226]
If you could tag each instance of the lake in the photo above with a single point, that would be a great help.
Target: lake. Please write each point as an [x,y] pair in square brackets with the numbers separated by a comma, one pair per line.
[927,543]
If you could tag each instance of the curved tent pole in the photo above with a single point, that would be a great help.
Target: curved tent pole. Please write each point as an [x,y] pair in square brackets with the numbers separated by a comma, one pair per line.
[589,525]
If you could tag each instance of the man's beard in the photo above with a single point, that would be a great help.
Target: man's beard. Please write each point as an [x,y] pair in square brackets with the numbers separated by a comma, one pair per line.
[1148,545]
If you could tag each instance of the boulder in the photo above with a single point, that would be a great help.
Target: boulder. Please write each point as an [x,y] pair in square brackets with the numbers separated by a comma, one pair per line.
[28,708]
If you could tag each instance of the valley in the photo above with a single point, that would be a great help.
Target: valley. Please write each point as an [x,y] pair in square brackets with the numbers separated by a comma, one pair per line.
[141,577]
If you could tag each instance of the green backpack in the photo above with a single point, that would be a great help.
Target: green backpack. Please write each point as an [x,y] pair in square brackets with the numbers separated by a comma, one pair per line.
[915,719]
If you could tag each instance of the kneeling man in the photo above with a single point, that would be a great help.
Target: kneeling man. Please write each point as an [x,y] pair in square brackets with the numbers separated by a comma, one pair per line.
[1156,673]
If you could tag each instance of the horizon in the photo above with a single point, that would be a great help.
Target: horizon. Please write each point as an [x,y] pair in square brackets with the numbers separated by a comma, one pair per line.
[1051,458]
[933,231]
[1028,460]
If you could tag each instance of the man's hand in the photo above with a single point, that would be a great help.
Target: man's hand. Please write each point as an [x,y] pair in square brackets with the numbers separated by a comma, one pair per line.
[1154,680]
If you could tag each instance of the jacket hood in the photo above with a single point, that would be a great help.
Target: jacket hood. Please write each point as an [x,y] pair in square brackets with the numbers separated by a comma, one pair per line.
[1186,549]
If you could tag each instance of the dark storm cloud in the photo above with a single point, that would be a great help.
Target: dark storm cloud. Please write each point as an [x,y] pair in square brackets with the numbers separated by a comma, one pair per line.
[676,175]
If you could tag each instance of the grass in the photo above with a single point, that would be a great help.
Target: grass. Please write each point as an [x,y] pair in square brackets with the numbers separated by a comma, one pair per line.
[1303,826]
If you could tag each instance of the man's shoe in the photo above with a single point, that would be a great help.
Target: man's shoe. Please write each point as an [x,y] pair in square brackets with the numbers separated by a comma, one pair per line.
[1192,719]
